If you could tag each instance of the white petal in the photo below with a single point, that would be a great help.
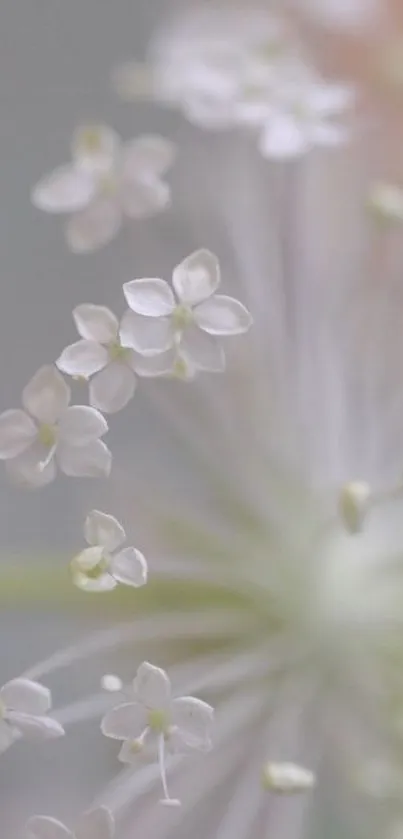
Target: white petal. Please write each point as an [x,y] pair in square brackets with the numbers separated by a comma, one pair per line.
[17,432]
[81,424]
[93,584]
[128,753]
[44,827]
[88,559]
[103,529]
[282,138]
[65,190]
[144,197]
[223,315]
[96,824]
[330,99]
[26,696]
[96,323]
[96,148]
[129,567]
[287,778]
[152,686]
[84,358]
[8,736]
[125,722]
[203,350]
[94,227]
[155,365]
[35,727]
[91,461]
[145,335]
[26,471]
[326,134]
[150,297]
[193,718]
[149,154]
[47,395]
[197,277]
[112,388]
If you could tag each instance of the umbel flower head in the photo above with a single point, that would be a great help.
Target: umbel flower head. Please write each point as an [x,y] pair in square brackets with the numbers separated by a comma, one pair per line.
[105,182]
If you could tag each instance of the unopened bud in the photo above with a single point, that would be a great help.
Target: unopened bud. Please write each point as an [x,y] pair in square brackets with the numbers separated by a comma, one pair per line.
[353,505]
[287,778]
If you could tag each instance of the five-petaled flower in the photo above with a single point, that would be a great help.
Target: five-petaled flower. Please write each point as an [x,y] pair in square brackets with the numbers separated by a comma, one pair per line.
[186,321]
[106,181]
[100,354]
[98,568]
[155,718]
[95,824]
[23,713]
[49,431]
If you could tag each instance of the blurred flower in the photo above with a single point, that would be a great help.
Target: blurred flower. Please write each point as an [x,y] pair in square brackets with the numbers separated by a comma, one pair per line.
[23,705]
[287,778]
[193,322]
[385,202]
[96,824]
[349,15]
[99,568]
[182,724]
[105,182]
[48,431]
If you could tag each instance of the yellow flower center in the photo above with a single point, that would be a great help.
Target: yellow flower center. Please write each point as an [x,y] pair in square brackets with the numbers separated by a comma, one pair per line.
[108,184]
[117,352]
[157,720]
[47,435]
[182,316]
[89,139]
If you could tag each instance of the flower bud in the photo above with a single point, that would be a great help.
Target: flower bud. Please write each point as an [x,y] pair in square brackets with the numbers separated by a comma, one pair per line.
[353,505]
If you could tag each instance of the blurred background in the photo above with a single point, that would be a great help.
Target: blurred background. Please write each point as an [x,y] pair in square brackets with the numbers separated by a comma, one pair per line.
[56,59]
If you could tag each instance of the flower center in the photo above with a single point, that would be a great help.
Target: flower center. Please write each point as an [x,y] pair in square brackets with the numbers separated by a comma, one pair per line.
[98,570]
[117,352]
[182,316]
[47,435]
[108,184]
[90,139]
[158,721]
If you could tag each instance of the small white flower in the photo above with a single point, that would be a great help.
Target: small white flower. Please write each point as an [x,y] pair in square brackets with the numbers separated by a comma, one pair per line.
[49,431]
[300,117]
[182,724]
[287,778]
[106,181]
[191,316]
[354,502]
[98,568]
[96,824]
[385,202]
[23,708]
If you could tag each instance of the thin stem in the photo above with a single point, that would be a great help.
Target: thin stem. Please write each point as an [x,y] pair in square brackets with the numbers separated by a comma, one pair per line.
[161,760]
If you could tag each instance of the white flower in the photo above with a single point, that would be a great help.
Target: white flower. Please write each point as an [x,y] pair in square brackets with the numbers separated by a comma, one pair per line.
[23,708]
[297,117]
[99,568]
[191,316]
[354,15]
[105,182]
[96,824]
[100,354]
[354,503]
[183,724]
[287,778]
[48,431]
[385,202]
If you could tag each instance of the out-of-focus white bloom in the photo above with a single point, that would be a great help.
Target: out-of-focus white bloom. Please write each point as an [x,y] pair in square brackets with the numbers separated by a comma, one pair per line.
[354,502]
[96,824]
[182,724]
[191,317]
[287,778]
[297,117]
[100,354]
[354,15]
[48,431]
[23,713]
[99,567]
[385,202]
[111,683]
[105,182]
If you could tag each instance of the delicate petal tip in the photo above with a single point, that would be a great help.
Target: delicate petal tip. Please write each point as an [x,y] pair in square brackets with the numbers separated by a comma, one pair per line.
[35,727]
[124,722]
[95,824]
[47,395]
[17,432]
[82,359]
[96,323]
[113,387]
[129,567]
[90,461]
[104,530]
[82,424]
[223,315]
[149,154]
[152,686]
[66,190]
[287,778]
[197,277]
[45,827]
[26,696]
[94,227]
[145,335]
[150,297]
[354,503]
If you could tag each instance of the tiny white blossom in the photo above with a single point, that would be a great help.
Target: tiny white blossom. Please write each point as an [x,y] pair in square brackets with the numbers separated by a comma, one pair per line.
[95,824]
[385,202]
[287,778]
[191,317]
[23,713]
[106,181]
[48,431]
[354,503]
[182,724]
[99,567]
